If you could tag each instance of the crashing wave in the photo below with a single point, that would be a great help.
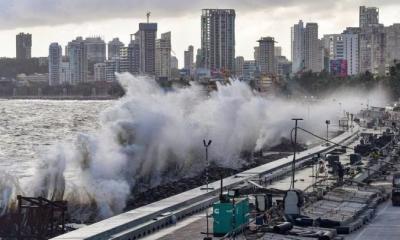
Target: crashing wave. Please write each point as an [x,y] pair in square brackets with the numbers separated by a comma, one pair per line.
[151,135]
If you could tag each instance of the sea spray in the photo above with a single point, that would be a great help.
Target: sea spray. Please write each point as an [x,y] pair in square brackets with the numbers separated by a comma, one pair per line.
[151,135]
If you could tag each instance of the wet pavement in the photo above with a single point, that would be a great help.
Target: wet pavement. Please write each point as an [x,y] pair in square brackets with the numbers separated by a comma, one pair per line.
[192,228]
[385,226]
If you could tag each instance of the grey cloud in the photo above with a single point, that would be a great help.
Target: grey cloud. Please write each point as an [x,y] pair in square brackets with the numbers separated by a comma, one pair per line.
[28,13]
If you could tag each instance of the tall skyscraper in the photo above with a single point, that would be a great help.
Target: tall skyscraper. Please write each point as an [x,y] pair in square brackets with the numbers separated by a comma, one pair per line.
[24,46]
[78,61]
[96,49]
[392,43]
[297,42]
[96,52]
[239,61]
[334,45]
[218,39]
[55,58]
[368,15]
[65,73]
[112,66]
[99,72]
[134,55]
[188,58]
[113,48]
[163,56]
[343,47]
[256,55]
[333,49]
[250,70]
[372,49]
[199,58]
[283,66]
[134,58]
[311,48]
[372,41]
[146,40]
[174,62]
[267,55]
[278,51]
[351,52]
[123,60]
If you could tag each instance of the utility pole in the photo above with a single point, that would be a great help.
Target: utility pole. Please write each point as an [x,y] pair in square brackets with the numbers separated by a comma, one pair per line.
[206,145]
[294,150]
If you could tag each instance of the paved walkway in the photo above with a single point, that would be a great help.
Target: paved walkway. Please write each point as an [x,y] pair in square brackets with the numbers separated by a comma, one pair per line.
[385,226]
[190,228]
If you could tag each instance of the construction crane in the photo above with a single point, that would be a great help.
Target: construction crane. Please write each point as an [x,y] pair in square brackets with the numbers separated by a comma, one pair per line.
[148,16]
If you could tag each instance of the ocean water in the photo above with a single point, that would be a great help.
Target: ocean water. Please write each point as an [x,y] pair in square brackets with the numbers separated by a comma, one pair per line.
[28,128]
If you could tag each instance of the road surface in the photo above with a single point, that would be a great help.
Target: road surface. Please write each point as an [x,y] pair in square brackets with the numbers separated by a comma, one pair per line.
[385,226]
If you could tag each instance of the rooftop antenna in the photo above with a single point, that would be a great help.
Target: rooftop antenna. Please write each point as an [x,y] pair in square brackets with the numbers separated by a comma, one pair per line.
[148,16]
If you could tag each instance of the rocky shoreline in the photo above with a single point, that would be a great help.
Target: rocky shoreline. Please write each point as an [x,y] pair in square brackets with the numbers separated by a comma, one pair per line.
[169,189]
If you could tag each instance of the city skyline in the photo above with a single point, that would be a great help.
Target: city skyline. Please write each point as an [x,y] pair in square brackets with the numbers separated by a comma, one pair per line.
[185,27]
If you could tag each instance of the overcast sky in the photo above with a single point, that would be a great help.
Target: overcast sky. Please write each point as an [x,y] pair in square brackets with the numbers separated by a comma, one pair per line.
[62,20]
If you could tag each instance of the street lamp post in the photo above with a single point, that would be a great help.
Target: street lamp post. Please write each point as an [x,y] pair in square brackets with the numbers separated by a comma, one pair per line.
[294,150]
[206,145]
[327,122]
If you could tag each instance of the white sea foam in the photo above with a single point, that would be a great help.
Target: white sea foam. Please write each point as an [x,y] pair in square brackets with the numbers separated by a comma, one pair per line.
[151,135]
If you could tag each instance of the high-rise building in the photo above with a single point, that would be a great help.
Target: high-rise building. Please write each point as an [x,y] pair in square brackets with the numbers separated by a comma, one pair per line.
[336,48]
[322,56]
[65,73]
[368,15]
[256,55]
[146,40]
[351,38]
[392,43]
[112,66]
[114,47]
[334,45]
[55,57]
[218,39]
[188,58]
[174,62]
[118,64]
[123,60]
[278,51]
[312,48]
[351,52]
[267,55]
[99,72]
[78,61]
[372,43]
[338,67]
[96,49]
[96,53]
[134,55]
[24,46]
[239,61]
[250,70]
[199,58]
[297,44]
[163,56]
[283,66]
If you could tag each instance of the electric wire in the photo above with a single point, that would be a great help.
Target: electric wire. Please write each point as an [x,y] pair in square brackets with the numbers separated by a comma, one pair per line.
[324,139]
